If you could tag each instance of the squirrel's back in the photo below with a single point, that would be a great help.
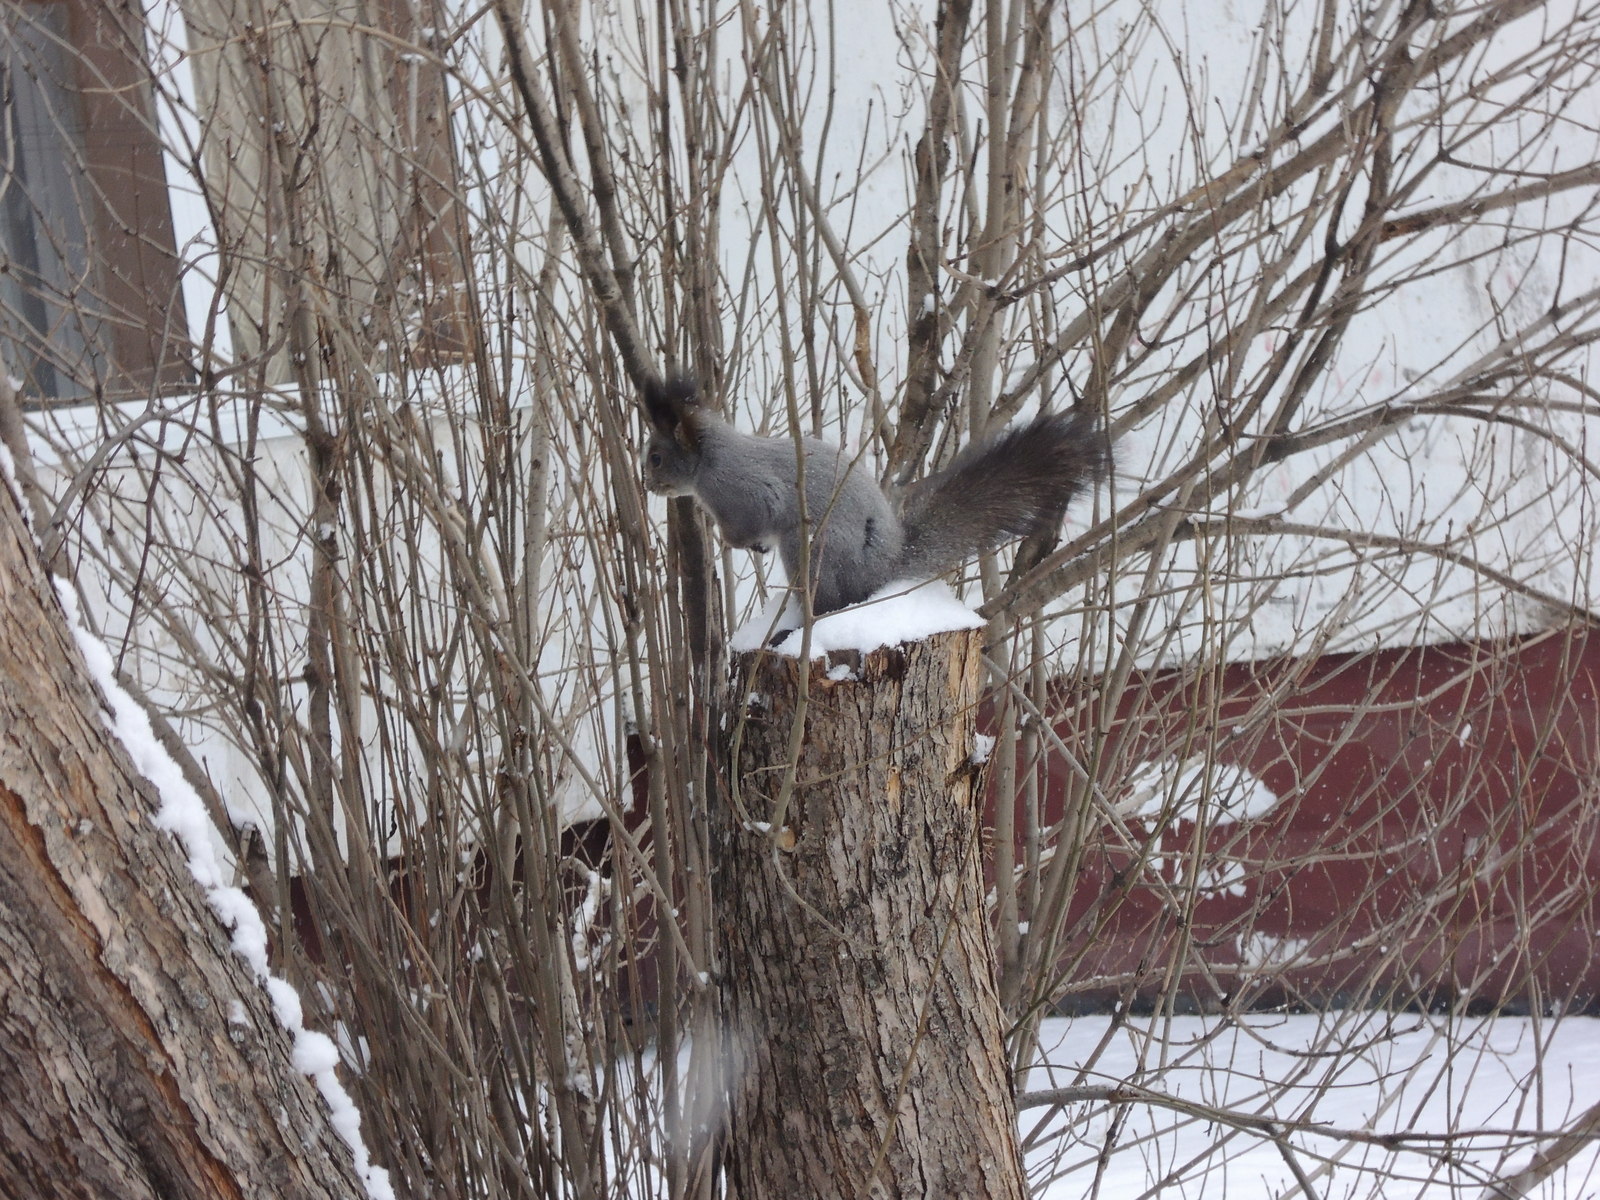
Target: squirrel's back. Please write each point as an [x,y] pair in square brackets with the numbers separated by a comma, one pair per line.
[855,538]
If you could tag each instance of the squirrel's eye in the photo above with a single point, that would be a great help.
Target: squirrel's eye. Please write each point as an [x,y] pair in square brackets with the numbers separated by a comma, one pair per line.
[655,458]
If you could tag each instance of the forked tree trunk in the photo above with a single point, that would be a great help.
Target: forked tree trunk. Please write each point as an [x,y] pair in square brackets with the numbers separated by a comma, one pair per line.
[863,1021]
[138,1057]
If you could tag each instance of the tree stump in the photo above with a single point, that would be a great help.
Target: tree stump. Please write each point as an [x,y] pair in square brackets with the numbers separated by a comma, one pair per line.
[863,1021]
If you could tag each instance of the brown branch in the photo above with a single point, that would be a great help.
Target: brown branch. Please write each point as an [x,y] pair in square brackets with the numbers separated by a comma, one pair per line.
[1277,1127]
[927,323]
[1460,210]
[558,172]
[1577,1137]
[598,150]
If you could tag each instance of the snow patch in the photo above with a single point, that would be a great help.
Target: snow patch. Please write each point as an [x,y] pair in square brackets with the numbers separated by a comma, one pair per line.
[589,938]
[1259,951]
[1183,790]
[900,612]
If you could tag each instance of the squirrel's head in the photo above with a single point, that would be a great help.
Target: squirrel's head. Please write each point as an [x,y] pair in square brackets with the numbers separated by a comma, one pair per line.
[672,458]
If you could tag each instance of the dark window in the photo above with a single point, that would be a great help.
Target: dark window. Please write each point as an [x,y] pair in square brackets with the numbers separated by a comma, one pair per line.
[89,297]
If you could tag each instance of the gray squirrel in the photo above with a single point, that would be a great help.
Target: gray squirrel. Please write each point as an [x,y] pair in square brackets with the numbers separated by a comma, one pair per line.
[862,538]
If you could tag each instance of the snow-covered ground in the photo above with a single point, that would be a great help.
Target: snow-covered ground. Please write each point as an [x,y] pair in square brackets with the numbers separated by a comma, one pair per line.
[1488,1083]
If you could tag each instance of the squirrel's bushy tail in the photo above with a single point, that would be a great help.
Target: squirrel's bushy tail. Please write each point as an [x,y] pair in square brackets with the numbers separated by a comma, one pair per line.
[1011,486]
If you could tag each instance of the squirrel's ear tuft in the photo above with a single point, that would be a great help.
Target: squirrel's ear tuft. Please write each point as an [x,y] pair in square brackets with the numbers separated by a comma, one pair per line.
[667,400]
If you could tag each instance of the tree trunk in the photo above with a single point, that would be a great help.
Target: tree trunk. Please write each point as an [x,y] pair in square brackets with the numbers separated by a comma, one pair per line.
[138,1056]
[864,1024]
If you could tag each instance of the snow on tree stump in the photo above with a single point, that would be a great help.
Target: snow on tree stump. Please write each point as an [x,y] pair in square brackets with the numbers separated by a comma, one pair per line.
[863,1020]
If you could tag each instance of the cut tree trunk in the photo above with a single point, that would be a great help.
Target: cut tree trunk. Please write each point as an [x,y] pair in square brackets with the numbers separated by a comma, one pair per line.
[863,1022]
[138,1056]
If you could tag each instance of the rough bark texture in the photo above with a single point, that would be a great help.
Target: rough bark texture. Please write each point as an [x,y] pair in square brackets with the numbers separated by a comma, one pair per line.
[863,1023]
[138,1058]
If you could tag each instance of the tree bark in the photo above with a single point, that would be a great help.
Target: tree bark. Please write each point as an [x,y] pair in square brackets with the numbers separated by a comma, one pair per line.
[863,1021]
[138,1055]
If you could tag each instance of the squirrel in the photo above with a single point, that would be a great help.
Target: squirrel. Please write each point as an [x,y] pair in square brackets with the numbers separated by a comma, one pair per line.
[1013,485]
